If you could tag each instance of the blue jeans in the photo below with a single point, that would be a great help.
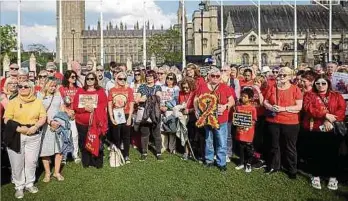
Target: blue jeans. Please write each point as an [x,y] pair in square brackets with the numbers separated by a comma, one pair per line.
[220,138]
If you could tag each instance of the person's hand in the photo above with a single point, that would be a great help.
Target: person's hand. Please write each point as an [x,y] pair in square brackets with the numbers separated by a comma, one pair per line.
[22,129]
[328,126]
[221,108]
[185,111]
[70,113]
[129,121]
[331,117]
[164,109]
[32,130]
[275,108]
[89,108]
[54,124]
[113,121]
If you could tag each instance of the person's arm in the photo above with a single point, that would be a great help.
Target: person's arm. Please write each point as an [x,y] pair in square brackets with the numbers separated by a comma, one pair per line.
[310,106]
[9,112]
[110,111]
[341,108]
[295,108]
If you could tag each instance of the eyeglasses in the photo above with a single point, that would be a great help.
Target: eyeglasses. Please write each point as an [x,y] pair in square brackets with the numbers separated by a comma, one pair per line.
[12,83]
[90,79]
[215,76]
[137,74]
[23,87]
[73,77]
[160,73]
[321,83]
[282,75]
[100,70]
[170,78]
[51,71]
[42,76]
[121,79]
[275,72]
[14,68]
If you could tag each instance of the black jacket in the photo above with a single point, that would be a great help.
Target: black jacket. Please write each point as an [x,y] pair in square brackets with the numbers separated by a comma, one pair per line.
[12,139]
[152,109]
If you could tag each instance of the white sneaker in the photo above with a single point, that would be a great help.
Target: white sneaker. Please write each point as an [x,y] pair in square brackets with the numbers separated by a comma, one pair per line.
[333,184]
[248,168]
[77,160]
[316,183]
[228,160]
[32,189]
[239,167]
[19,194]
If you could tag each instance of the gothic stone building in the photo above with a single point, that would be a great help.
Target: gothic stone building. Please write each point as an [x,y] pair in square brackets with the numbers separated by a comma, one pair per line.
[120,43]
[277,33]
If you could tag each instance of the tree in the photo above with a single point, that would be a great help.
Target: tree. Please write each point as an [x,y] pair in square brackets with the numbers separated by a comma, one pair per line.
[166,47]
[8,38]
[37,48]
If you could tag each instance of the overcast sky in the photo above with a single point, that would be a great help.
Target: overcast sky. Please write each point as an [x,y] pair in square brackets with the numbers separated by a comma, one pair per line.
[38,23]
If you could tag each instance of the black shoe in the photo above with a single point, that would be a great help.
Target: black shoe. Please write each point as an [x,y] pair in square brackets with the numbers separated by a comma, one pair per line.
[223,168]
[259,164]
[271,171]
[292,175]
[208,165]
[143,157]
[159,157]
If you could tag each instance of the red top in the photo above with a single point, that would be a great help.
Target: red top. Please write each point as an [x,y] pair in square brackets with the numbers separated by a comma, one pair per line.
[246,135]
[271,82]
[68,91]
[2,83]
[285,98]
[187,98]
[59,76]
[81,115]
[315,109]
[121,98]
[244,83]
[37,88]
[223,92]
[199,82]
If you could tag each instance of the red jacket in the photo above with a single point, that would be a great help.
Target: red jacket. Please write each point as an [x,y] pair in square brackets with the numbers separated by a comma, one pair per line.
[314,108]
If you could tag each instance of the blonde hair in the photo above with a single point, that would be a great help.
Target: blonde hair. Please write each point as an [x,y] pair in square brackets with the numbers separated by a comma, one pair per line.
[48,84]
[8,80]
[286,70]
[118,75]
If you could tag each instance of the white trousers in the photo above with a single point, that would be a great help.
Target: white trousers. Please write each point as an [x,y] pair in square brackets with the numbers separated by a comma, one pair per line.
[24,163]
[75,138]
[168,142]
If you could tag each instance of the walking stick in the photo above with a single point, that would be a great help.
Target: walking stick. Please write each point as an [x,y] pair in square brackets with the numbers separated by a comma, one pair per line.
[189,145]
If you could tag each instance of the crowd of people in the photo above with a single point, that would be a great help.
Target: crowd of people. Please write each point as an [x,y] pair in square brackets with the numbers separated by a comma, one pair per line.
[270,118]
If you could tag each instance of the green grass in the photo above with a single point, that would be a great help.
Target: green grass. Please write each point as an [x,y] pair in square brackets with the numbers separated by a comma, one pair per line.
[172,179]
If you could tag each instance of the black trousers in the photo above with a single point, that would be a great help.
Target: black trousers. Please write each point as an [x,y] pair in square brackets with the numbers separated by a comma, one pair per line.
[323,153]
[246,152]
[87,158]
[260,139]
[121,133]
[150,129]
[283,146]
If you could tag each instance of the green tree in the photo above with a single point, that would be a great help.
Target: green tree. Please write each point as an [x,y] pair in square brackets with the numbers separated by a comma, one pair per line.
[7,38]
[166,47]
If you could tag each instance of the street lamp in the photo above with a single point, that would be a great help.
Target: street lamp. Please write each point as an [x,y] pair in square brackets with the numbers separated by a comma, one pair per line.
[73,44]
[202,8]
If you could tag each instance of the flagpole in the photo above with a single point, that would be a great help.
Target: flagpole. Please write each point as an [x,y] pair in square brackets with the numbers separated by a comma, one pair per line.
[60,38]
[101,35]
[19,33]
[222,41]
[330,31]
[183,35]
[144,35]
[295,35]
[259,27]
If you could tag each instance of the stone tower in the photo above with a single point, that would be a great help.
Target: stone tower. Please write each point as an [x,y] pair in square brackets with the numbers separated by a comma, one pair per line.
[73,18]
[230,40]
[179,13]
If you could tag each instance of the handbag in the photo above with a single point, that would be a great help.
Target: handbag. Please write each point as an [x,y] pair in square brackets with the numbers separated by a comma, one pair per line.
[140,113]
[116,157]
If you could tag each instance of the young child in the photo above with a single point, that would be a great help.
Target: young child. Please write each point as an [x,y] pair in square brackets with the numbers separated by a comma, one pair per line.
[245,135]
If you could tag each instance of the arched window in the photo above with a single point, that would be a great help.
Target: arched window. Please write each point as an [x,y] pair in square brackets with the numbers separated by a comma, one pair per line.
[252,39]
[264,59]
[286,47]
[245,59]
[321,47]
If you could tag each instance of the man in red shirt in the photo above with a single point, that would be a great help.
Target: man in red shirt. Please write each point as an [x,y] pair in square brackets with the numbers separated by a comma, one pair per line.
[224,103]
[13,73]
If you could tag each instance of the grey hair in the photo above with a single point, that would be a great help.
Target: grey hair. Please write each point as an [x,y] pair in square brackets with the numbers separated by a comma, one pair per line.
[213,70]
[23,71]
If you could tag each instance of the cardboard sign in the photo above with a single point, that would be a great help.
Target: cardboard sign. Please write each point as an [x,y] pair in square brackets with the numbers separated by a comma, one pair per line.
[85,99]
[340,82]
[242,120]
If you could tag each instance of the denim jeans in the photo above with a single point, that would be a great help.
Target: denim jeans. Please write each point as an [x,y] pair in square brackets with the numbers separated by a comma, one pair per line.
[220,138]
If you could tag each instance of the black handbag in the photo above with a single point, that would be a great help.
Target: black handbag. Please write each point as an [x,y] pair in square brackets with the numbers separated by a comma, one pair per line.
[340,128]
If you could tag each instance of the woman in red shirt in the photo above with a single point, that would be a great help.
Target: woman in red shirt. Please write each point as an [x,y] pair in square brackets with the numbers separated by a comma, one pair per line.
[193,72]
[120,107]
[90,114]
[283,102]
[322,107]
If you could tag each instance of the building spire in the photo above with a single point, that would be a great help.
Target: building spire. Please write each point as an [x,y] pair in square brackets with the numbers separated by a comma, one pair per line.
[229,25]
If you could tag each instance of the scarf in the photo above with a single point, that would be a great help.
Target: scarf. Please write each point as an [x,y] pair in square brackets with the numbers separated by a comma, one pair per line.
[27,99]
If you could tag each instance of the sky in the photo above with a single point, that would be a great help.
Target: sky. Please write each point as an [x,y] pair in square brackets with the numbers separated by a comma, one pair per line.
[38,17]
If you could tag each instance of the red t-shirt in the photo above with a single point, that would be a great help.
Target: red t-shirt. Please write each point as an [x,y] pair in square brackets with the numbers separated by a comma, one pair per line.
[37,88]
[199,82]
[68,91]
[2,83]
[59,76]
[246,135]
[223,92]
[285,98]
[121,98]
[244,83]
[187,98]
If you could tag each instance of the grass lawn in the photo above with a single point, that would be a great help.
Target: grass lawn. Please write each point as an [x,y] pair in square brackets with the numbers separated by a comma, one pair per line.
[172,179]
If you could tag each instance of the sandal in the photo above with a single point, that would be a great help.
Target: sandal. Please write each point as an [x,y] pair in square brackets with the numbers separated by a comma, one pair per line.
[47,178]
[59,177]
[316,182]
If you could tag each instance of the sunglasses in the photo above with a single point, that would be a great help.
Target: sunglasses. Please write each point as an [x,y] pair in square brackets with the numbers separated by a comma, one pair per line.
[51,71]
[100,70]
[23,87]
[12,83]
[321,83]
[42,76]
[121,79]
[170,78]
[90,79]
[282,75]
[160,73]
[224,70]
[275,71]
[137,74]
[14,68]
[215,76]
[73,77]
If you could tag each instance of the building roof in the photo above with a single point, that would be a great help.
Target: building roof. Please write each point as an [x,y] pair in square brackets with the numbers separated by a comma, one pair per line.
[280,18]
[120,33]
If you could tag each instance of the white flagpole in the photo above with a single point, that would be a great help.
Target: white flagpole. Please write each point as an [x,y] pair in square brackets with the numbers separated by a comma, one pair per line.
[330,31]
[101,34]
[295,35]
[222,41]
[183,32]
[144,34]
[60,38]
[259,27]
[19,33]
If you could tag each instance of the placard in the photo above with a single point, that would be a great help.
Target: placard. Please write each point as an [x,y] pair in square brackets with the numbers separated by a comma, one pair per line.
[242,119]
[340,82]
[88,100]
[119,116]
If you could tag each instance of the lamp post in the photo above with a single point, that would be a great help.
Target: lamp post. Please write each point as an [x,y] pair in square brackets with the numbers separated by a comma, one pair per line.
[73,43]
[202,8]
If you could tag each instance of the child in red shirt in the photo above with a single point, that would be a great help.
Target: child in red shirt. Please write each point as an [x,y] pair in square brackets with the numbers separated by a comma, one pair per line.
[245,135]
